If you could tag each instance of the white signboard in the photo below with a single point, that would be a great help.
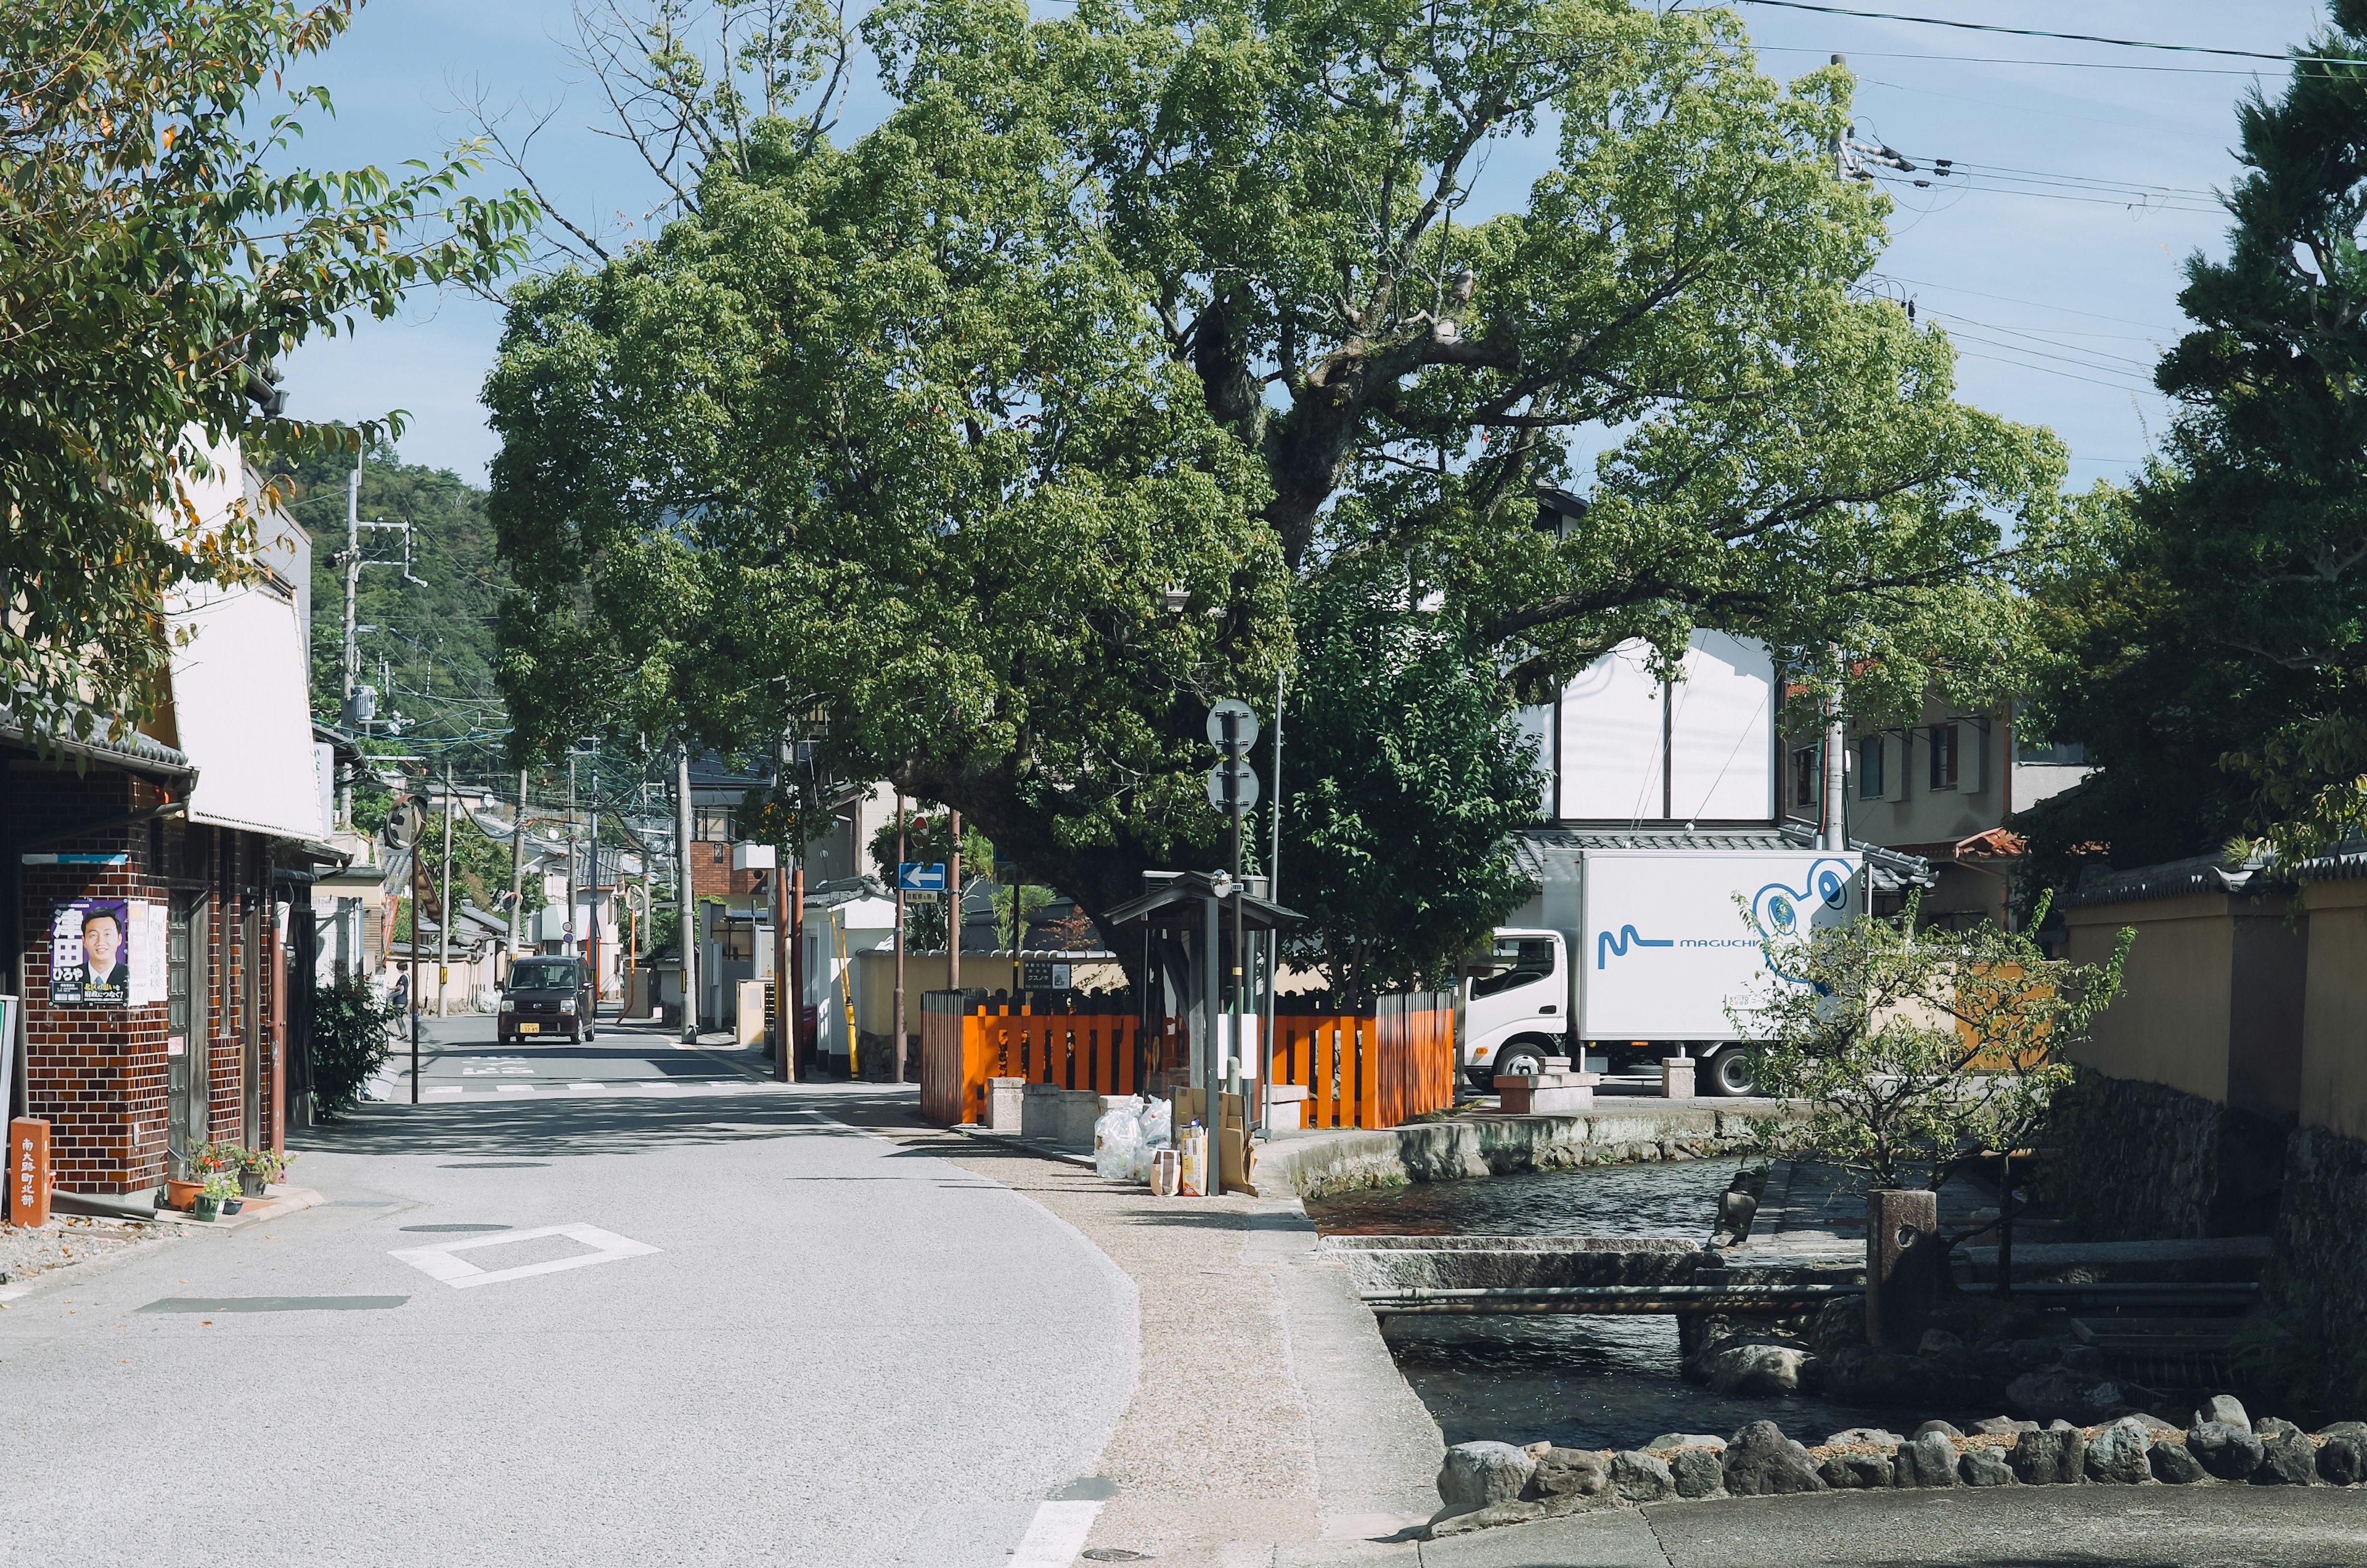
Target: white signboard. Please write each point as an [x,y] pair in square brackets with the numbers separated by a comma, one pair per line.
[1665,946]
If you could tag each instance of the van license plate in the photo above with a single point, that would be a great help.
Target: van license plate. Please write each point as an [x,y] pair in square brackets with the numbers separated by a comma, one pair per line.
[530,1029]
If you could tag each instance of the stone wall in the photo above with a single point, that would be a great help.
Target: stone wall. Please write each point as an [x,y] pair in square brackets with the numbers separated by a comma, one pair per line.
[2317,1276]
[2142,1161]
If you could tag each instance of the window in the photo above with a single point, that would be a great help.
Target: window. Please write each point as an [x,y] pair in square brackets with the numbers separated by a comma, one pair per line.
[1522,961]
[1943,756]
[735,941]
[2060,754]
[1804,776]
[1869,768]
[545,975]
[720,823]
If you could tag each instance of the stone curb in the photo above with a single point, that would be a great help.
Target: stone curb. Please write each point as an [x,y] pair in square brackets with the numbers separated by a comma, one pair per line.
[1487,1484]
[1043,1148]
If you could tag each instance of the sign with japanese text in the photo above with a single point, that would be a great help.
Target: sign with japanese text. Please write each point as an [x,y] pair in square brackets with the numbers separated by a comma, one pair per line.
[29,1171]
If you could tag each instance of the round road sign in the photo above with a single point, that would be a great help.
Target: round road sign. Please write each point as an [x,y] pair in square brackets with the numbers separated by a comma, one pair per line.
[1245,724]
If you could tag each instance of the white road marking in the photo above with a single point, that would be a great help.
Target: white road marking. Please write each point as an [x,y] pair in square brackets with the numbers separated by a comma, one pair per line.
[587,1089]
[1056,1536]
[438,1262]
[439,1093]
[514,1089]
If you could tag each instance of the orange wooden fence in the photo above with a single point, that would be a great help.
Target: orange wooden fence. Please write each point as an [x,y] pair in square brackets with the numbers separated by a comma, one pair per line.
[1367,1069]
[1375,1069]
[966,1039]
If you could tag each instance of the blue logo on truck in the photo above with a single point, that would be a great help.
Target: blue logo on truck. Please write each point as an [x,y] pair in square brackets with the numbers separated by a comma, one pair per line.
[1605,943]
[1777,910]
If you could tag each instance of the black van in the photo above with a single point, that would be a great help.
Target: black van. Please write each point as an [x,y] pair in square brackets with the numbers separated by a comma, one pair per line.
[547,997]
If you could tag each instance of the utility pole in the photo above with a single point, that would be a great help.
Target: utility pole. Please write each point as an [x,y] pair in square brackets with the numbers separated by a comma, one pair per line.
[899,936]
[571,851]
[412,1001]
[352,666]
[1274,892]
[444,908]
[1835,825]
[592,921]
[517,875]
[685,900]
[803,1047]
[954,907]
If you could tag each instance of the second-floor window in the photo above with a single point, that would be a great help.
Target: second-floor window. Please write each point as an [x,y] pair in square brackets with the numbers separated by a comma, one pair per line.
[1944,755]
[1869,768]
[718,823]
[2060,754]
[1804,776]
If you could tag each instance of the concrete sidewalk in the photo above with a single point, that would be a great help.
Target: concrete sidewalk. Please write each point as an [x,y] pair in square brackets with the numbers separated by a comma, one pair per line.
[1270,1424]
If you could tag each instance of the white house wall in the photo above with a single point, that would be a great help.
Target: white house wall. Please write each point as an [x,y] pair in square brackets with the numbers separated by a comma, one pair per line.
[1611,739]
[1717,746]
[1723,731]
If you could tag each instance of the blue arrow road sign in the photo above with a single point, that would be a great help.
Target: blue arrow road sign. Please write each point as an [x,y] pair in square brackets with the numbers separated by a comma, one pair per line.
[914,878]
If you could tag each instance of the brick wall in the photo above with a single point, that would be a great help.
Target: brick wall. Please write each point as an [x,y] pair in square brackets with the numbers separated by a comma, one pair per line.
[100,1074]
[711,876]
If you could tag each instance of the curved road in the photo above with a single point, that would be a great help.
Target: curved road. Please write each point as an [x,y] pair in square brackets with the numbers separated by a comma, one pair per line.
[797,1343]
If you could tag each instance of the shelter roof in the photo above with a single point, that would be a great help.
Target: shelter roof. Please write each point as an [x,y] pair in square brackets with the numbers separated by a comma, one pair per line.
[1172,900]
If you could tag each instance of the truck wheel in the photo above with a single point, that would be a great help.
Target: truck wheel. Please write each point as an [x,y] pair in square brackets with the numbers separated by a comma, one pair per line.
[1521,1058]
[1730,1074]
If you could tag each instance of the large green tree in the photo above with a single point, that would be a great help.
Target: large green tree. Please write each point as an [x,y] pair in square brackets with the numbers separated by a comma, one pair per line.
[2213,653]
[156,255]
[987,447]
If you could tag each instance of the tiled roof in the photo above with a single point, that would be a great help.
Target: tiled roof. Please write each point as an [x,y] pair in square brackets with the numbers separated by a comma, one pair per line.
[109,742]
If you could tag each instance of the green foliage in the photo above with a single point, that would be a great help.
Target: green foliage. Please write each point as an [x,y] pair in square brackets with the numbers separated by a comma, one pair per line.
[435,637]
[155,259]
[917,434]
[2215,661]
[481,870]
[1405,773]
[350,1040]
[2290,1349]
[1911,1046]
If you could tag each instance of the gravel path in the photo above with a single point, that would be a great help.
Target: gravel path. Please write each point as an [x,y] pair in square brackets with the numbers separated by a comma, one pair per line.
[69,1239]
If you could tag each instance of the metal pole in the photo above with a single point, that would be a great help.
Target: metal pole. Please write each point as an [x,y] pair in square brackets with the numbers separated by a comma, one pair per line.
[685,897]
[1271,944]
[954,907]
[412,1001]
[352,664]
[1233,751]
[784,1036]
[898,1054]
[592,923]
[517,874]
[444,905]
[1212,1075]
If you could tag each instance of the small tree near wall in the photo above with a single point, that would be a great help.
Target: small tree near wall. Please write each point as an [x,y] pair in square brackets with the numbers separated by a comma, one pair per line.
[1912,1046]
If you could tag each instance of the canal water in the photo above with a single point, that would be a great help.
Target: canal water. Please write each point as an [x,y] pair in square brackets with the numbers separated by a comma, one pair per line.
[1583,1382]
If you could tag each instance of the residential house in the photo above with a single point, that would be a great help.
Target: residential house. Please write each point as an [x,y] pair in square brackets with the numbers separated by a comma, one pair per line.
[159,916]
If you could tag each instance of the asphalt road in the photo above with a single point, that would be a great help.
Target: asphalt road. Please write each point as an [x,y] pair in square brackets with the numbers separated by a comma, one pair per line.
[781,1339]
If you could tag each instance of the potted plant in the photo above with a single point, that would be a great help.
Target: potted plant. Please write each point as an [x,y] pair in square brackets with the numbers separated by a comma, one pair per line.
[258,1168]
[181,1191]
[219,1185]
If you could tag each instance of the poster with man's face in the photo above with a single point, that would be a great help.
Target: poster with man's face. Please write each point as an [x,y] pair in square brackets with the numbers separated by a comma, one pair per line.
[90,953]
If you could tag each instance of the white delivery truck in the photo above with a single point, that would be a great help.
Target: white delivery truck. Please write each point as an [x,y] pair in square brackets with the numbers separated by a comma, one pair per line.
[1649,947]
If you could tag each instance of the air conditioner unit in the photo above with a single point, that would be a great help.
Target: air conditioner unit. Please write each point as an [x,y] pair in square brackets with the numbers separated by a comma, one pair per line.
[753,857]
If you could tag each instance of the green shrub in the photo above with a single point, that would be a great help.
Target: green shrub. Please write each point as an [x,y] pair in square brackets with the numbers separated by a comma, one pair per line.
[350,1040]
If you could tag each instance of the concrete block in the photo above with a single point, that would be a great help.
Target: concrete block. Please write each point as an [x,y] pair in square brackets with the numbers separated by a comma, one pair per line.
[1005,1105]
[1547,1094]
[1073,1118]
[1676,1077]
[1286,1107]
[1039,1111]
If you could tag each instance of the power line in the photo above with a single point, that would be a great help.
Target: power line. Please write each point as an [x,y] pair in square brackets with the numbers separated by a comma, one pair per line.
[2009,299]
[2062,64]
[2040,32]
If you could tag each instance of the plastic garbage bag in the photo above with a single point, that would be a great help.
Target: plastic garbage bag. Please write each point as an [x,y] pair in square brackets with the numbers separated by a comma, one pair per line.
[1117,1140]
[1159,1124]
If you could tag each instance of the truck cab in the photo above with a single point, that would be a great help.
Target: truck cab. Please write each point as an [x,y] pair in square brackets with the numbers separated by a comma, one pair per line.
[1515,1004]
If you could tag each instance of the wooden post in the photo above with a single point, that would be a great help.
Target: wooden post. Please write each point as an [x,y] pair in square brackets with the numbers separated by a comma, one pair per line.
[801,1047]
[29,1171]
[954,907]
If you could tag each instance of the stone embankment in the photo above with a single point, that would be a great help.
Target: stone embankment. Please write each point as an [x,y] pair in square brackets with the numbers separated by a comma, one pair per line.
[1318,1163]
[1484,1485]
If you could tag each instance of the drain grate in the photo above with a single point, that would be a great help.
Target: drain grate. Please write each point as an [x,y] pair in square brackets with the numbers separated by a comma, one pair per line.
[498,1165]
[276,1304]
[1113,1554]
[448,1230]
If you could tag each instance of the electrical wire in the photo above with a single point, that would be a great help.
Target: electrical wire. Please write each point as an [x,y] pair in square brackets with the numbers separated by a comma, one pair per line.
[2041,32]
[2062,64]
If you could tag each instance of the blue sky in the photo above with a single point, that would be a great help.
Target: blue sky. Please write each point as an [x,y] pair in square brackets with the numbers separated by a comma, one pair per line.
[2060,292]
